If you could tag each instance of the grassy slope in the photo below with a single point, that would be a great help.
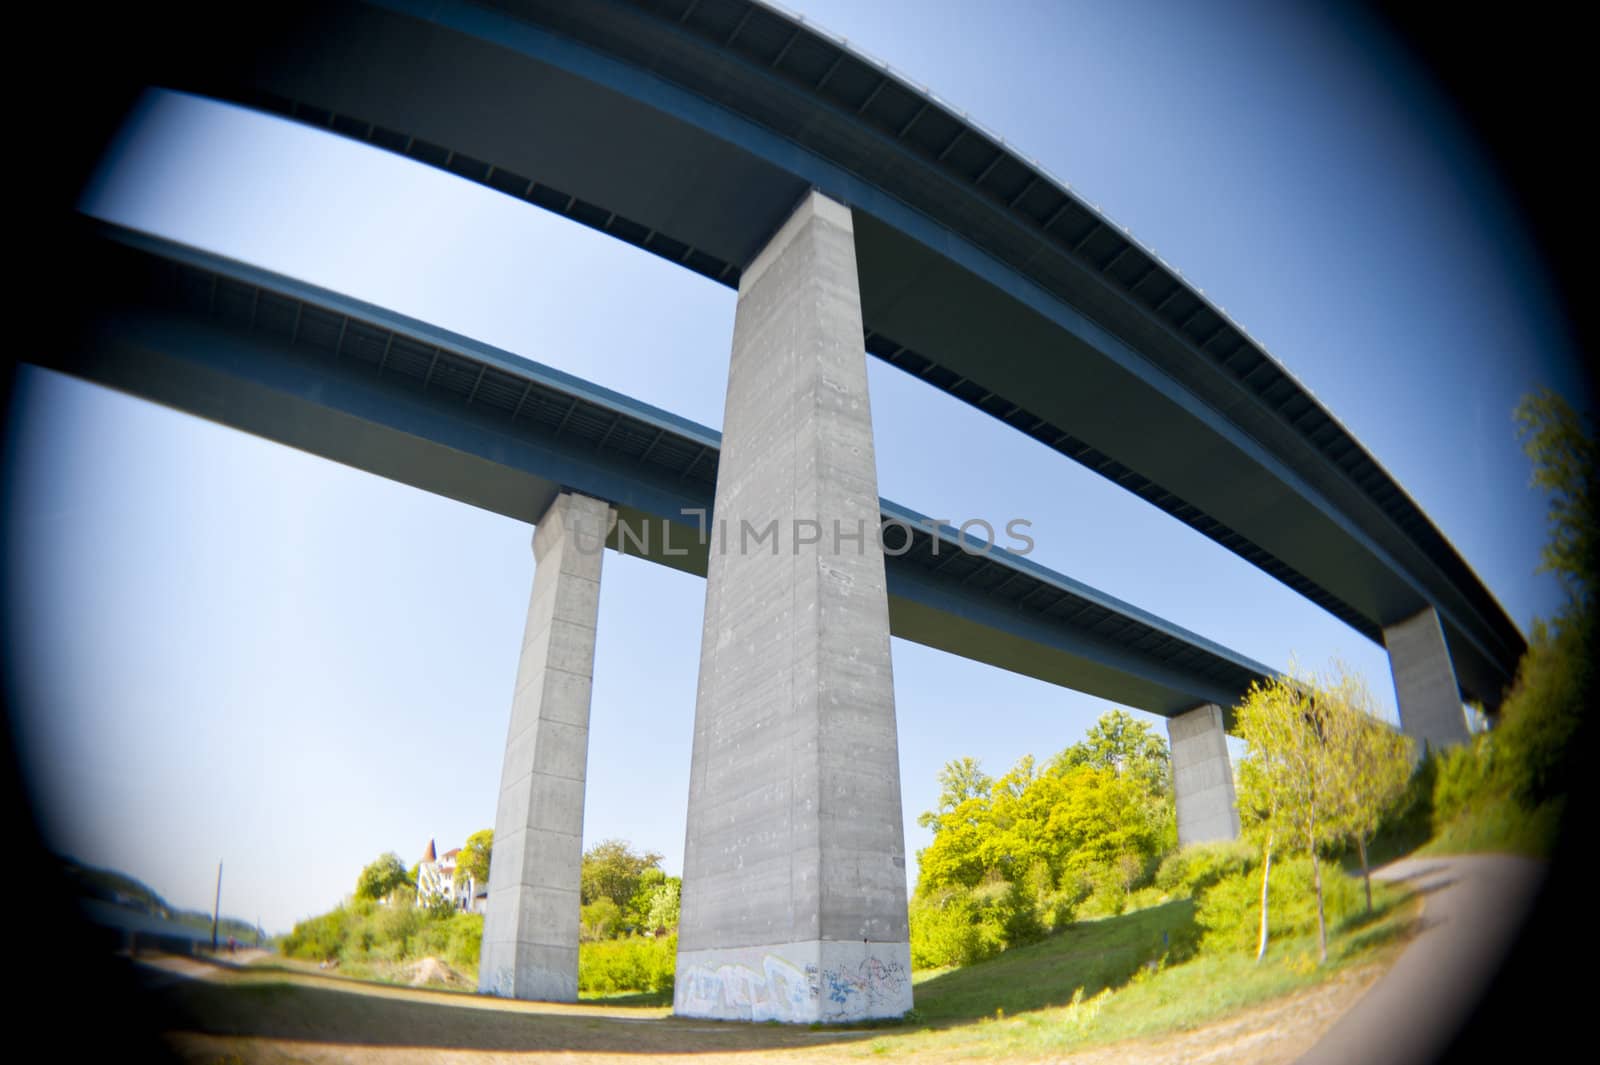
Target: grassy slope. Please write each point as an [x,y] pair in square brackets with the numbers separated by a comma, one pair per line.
[1023,1002]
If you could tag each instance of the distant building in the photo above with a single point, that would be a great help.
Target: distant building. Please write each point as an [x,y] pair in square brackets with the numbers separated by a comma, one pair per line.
[436,879]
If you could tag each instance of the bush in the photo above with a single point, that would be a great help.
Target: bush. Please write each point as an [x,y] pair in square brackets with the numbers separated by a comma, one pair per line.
[638,963]
[944,931]
[365,932]
[1200,865]
[317,938]
[1229,911]
[1460,779]
[959,926]
[1533,755]
[600,919]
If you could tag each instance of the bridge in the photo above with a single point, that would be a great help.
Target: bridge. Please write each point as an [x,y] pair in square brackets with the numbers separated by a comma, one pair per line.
[851,210]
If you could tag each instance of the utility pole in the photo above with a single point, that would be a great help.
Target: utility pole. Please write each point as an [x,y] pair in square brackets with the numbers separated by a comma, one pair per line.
[216,909]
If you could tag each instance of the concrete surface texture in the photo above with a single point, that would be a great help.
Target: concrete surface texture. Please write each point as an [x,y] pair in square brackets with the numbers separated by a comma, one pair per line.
[530,931]
[794,897]
[1202,777]
[1425,681]
[1473,907]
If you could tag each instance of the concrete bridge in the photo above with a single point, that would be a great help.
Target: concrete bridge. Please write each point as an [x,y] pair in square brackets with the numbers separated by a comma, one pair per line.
[852,211]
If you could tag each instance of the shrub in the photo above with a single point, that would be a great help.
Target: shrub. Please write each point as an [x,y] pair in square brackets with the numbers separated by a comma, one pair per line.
[638,963]
[1200,865]
[600,919]
[1229,911]
[464,943]
[959,926]
[944,931]
[1460,778]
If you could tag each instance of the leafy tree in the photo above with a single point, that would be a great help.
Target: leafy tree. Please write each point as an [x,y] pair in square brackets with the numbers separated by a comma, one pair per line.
[1127,747]
[1094,811]
[665,904]
[1372,762]
[960,780]
[473,861]
[1294,780]
[612,870]
[1563,449]
[382,877]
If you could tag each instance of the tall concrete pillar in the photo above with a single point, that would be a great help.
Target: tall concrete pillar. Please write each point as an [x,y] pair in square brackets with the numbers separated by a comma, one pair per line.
[794,878]
[1425,686]
[530,931]
[1202,777]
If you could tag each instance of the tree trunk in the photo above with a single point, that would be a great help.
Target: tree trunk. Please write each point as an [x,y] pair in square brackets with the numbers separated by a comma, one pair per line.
[1366,874]
[1266,871]
[1322,921]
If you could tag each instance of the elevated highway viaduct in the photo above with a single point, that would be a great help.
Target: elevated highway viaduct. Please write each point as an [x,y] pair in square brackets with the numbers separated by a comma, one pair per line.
[852,211]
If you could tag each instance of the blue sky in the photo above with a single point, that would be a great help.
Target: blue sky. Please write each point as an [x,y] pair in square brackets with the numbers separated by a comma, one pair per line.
[236,651]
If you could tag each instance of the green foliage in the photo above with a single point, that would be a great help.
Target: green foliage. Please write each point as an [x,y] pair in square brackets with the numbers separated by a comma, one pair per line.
[662,905]
[368,933]
[1530,753]
[1229,911]
[382,877]
[1320,771]
[600,919]
[473,861]
[1460,777]
[960,781]
[638,963]
[949,929]
[1197,867]
[1125,746]
[612,870]
[1015,858]
[1506,789]
[1561,445]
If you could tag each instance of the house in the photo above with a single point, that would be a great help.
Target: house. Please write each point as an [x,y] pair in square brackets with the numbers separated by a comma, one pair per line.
[436,878]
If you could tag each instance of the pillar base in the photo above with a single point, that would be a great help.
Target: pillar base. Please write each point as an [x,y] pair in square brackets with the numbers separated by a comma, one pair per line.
[817,981]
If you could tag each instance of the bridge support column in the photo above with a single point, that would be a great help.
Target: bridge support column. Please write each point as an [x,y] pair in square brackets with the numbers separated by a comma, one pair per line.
[1425,686]
[530,931]
[1202,777]
[794,878]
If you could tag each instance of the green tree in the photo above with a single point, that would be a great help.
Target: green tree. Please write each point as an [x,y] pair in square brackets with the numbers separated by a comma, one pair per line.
[1294,783]
[1127,747]
[665,904]
[612,870]
[1563,449]
[382,877]
[960,781]
[473,860]
[1372,761]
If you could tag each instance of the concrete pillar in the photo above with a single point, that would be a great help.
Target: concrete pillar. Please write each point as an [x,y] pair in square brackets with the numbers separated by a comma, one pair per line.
[1202,777]
[530,929]
[794,878]
[1425,688]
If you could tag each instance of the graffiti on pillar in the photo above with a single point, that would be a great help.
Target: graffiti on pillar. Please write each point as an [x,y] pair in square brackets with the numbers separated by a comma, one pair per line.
[872,987]
[783,991]
[780,991]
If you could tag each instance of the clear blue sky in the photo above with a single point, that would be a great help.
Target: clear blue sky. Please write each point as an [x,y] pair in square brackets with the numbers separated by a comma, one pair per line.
[236,651]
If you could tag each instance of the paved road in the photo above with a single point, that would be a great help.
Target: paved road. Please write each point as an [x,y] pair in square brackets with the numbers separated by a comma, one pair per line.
[1472,907]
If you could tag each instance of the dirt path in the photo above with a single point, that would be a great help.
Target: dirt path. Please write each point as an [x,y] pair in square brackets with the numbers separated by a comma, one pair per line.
[1472,907]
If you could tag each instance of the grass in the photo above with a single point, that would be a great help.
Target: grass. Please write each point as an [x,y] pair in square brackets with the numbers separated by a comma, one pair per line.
[1108,980]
